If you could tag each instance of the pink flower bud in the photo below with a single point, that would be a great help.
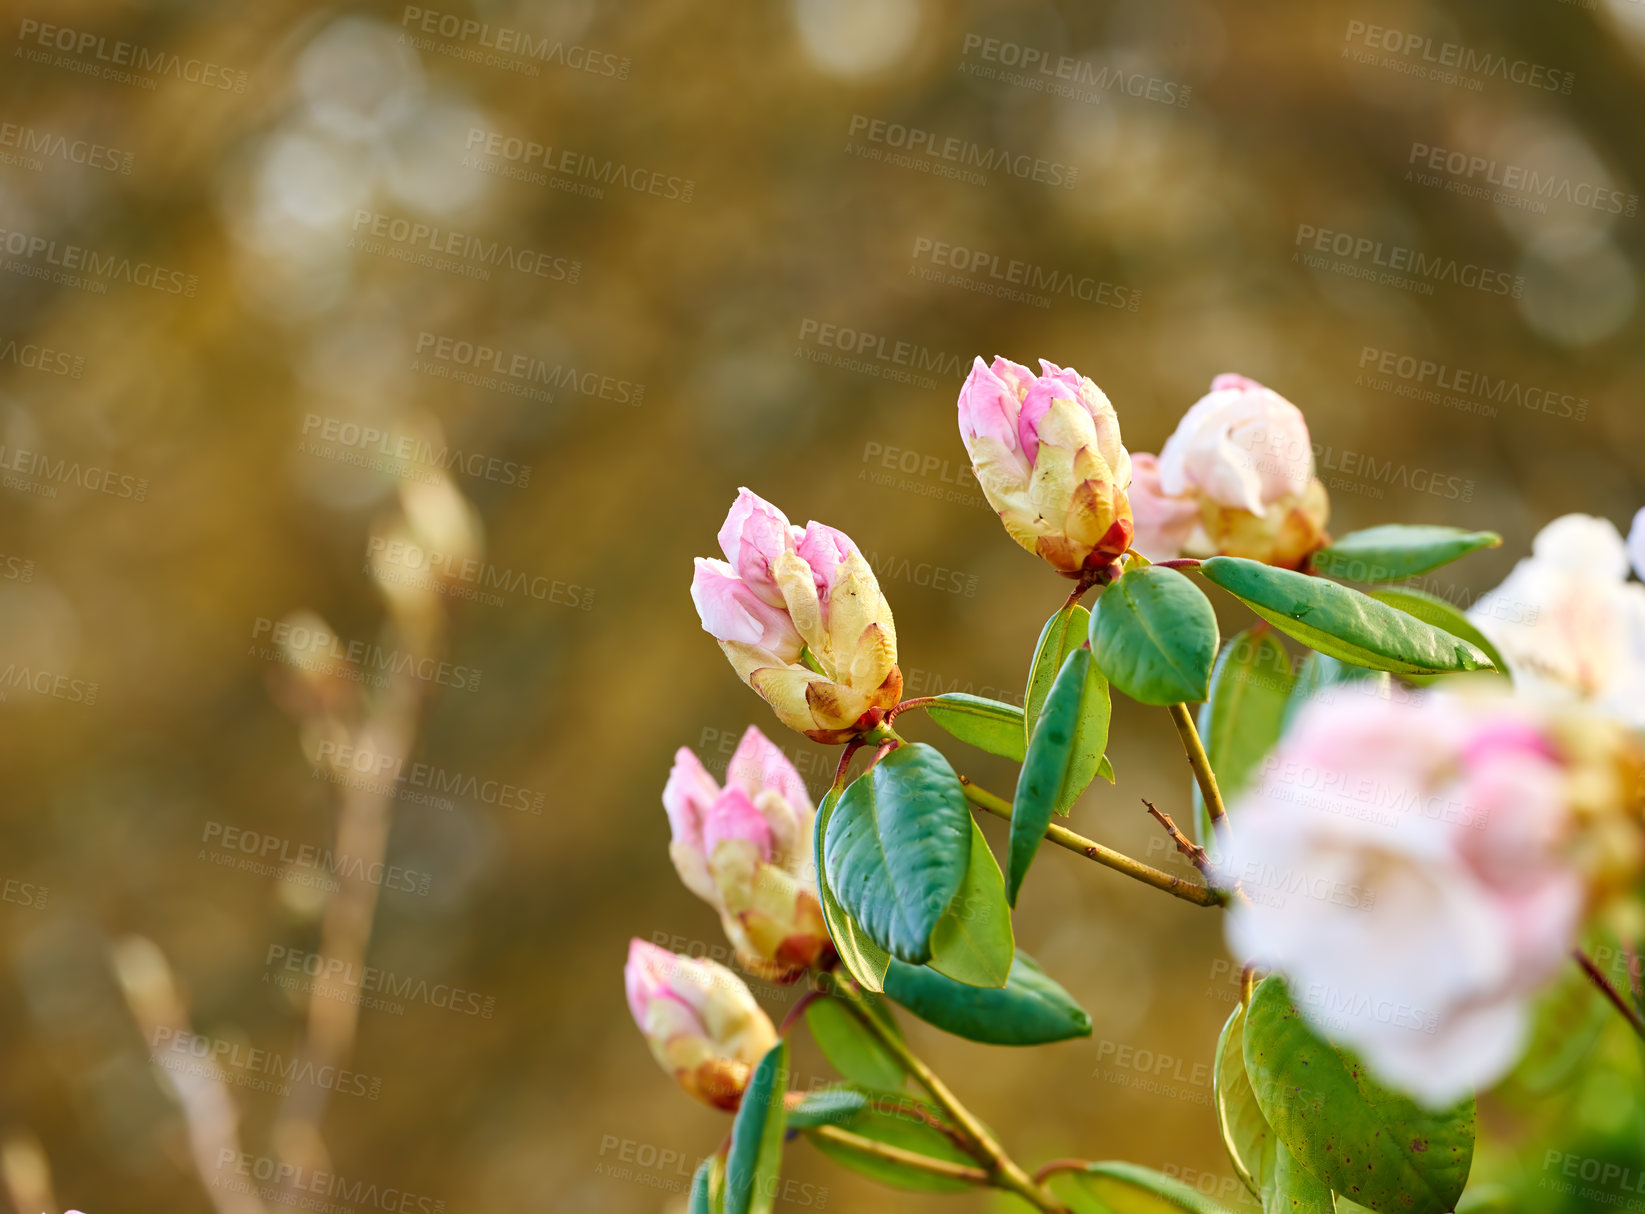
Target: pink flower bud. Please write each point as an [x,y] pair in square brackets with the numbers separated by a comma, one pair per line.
[828,611]
[1242,464]
[746,851]
[699,1019]
[1047,453]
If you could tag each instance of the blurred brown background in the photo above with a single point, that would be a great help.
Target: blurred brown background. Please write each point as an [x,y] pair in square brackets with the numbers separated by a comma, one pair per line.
[210,263]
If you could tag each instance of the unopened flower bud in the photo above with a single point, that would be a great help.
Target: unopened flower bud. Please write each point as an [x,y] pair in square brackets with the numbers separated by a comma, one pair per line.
[746,851]
[699,1019]
[1235,479]
[1047,453]
[799,614]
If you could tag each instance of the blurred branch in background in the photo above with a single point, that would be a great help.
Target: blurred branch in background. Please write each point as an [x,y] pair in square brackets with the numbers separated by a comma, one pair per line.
[337,706]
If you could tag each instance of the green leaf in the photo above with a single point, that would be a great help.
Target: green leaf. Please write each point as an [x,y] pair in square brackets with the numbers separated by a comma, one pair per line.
[1063,633]
[1062,760]
[1431,609]
[850,1048]
[1128,1188]
[1290,1188]
[1327,680]
[1397,550]
[973,942]
[827,1106]
[757,1137]
[1339,622]
[1030,1009]
[1372,1145]
[708,1187]
[1244,717]
[1245,1131]
[889,1120]
[1155,636]
[986,724]
[897,847]
[864,960]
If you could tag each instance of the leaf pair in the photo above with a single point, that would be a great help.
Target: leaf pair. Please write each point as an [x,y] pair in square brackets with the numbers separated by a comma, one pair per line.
[905,872]
[1307,1128]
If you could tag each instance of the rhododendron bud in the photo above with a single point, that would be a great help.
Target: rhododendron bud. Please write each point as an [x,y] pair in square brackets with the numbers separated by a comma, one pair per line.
[1047,452]
[746,851]
[1235,479]
[1569,623]
[802,620]
[1416,868]
[699,1019]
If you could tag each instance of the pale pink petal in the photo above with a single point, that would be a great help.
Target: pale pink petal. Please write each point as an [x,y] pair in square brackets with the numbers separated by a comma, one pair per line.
[1163,523]
[989,404]
[1636,544]
[753,535]
[734,816]
[687,796]
[731,611]
[758,763]
[825,549]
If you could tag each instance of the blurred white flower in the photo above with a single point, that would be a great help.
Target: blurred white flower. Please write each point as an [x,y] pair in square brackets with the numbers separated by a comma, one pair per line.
[1405,867]
[1569,623]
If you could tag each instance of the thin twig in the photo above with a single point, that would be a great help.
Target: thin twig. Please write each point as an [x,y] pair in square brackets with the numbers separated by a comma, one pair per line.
[1188,891]
[1185,845]
[1051,1168]
[1597,977]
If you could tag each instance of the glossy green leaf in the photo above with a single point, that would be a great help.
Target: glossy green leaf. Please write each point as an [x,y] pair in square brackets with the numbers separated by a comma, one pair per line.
[1062,759]
[708,1187]
[1128,1188]
[1063,633]
[897,848]
[1431,609]
[986,724]
[752,1164]
[1155,636]
[827,1106]
[973,941]
[850,1048]
[1245,1132]
[1244,717]
[892,1121]
[1030,1009]
[1340,622]
[864,960]
[1398,550]
[1373,1145]
[1290,1188]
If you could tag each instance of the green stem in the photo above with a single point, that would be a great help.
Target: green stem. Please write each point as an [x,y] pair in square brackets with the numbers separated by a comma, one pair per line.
[1003,1172]
[1201,764]
[908,1159]
[1188,891]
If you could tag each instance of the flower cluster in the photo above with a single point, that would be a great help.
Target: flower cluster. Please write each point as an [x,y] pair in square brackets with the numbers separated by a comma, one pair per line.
[1419,867]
